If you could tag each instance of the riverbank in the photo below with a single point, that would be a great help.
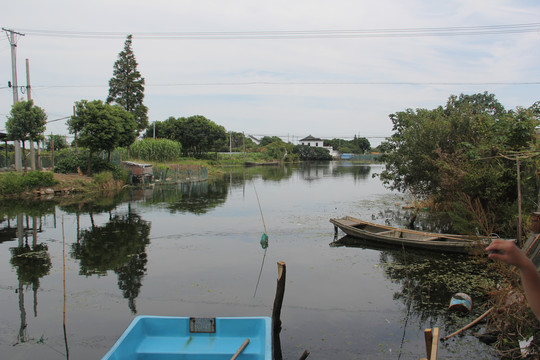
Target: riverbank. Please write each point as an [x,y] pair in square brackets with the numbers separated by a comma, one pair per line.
[79,183]
[47,184]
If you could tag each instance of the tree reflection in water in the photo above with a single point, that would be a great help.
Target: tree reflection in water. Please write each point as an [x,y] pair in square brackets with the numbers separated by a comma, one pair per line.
[197,198]
[120,246]
[427,280]
[32,263]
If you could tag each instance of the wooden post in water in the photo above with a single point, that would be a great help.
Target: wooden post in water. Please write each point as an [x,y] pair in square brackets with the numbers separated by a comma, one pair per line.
[276,311]
[432,341]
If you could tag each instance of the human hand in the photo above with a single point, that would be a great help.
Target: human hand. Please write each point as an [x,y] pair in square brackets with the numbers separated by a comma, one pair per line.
[506,251]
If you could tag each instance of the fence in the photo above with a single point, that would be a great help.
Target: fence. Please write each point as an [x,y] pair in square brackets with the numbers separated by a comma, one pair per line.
[180,173]
[362,157]
[7,163]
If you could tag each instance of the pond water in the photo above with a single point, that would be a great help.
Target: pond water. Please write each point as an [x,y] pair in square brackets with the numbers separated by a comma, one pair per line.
[195,250]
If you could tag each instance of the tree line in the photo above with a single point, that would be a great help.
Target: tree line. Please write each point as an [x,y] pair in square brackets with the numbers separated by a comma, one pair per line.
[117,122]
[464,158]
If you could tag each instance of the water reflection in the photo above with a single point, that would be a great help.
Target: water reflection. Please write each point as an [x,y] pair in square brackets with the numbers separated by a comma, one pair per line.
[119,246]
[311,171]
[32,262]
[94,205]
[112,235]
[8,233]
[11,210]
[268,173]
[427,280]
[196,198]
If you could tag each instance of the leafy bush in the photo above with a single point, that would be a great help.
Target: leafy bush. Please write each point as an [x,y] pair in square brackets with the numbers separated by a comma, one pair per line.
[312,153]
[276,150]
[13,183]
[38,179]
[79,162]
[103,177]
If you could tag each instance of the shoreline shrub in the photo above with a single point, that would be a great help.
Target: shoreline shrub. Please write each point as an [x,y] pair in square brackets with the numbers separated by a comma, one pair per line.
[13,183]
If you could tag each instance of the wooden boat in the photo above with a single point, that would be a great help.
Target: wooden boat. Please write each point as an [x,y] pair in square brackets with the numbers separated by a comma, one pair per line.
[255,163]
[410,238]
[163,337]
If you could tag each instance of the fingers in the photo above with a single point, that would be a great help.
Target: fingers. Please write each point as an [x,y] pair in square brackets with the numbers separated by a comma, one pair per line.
[506,251]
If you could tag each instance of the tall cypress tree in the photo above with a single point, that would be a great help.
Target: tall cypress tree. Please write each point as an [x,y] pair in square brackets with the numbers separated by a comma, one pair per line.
[126,87]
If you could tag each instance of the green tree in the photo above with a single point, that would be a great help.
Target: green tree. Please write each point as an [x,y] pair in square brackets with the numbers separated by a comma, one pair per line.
[199,135]
[57,141]
[309,153]
[452,155]
[270,139]
[238,142]
[126,87]
[359,145]
[101,126]
[277,150]
[168,129]
[26,122]
[196,134]
[362,144]
[127,127]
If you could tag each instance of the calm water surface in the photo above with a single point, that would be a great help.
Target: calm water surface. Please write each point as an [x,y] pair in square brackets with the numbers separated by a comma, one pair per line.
[194,250]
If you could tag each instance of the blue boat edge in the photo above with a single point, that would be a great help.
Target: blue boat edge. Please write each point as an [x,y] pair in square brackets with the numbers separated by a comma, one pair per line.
[112,353]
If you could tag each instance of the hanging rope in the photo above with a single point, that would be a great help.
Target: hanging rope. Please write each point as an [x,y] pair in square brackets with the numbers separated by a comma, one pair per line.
[260,209]
[264,238]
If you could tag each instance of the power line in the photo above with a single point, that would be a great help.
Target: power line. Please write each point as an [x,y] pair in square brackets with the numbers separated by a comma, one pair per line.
[64,118]
[321,83]
[300,34]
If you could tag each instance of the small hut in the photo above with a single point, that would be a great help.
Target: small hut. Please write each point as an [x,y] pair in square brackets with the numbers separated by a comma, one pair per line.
[139,173]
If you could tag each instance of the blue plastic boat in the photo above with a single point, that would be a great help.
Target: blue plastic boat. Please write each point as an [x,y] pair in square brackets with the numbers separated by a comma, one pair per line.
[167,338]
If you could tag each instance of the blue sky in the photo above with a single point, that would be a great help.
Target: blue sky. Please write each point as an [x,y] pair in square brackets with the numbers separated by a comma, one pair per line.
[291,86]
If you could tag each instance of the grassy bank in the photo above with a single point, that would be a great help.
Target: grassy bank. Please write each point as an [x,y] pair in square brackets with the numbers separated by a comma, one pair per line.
[31,183]
[12,183]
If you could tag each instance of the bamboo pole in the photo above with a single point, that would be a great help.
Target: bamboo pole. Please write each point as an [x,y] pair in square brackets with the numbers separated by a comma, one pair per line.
[276,311]
[64,286]
[476,321]
[520,217]
[240,349]
[434,344]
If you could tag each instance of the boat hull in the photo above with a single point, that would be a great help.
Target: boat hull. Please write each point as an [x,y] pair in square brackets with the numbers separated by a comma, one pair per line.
[162,337]
[410,238]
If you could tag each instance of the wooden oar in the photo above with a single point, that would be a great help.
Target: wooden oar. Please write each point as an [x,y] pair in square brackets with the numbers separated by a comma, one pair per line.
[240,349]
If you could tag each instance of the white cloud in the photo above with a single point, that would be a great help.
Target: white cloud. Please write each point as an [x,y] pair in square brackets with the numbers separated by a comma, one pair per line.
[270,105]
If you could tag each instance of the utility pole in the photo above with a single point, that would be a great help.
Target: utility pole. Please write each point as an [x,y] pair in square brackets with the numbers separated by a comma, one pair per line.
[13,42]
[29,96]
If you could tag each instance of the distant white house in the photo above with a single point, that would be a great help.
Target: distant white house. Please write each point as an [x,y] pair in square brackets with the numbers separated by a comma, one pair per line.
[317,142]
[311,141]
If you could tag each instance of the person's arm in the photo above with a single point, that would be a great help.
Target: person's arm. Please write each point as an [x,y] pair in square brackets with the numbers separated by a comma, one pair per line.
[508,252]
